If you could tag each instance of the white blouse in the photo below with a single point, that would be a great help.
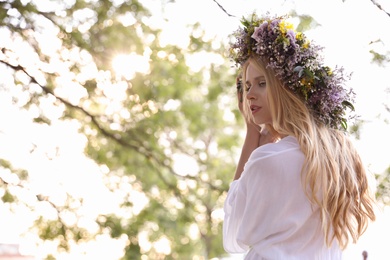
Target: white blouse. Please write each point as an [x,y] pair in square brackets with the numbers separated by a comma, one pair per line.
[267,214]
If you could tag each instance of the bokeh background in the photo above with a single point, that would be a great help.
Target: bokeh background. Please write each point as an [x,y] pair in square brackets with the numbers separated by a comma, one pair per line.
[119,127]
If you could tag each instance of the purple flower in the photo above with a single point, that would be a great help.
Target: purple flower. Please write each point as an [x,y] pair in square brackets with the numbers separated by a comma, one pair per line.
[298,65]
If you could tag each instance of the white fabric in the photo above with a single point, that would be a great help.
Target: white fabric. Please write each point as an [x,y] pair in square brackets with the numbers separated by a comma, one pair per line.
[267,213]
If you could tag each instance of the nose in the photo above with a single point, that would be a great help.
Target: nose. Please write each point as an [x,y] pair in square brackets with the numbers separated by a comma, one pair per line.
[250,94]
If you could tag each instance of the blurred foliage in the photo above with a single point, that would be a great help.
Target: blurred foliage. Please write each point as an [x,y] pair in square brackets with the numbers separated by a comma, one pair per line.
[135,125]
[383,187]
[380,59]
[166,111]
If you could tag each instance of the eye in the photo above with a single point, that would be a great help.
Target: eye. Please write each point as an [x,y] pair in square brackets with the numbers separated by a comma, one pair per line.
[247,87]
[262,83]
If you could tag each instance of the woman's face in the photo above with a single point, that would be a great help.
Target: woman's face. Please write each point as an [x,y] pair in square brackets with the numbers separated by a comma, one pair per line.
[256,94]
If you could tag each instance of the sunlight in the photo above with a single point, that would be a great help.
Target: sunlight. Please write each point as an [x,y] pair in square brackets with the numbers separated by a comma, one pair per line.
[55,156]
[127,65]
[185,165]
[163,246]
[203,59]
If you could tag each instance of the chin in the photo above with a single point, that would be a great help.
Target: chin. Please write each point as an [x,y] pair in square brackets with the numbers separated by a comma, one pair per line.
[262,122]
[259,122]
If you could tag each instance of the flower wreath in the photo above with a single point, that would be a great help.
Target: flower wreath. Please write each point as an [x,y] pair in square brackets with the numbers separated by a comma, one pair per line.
[296,61]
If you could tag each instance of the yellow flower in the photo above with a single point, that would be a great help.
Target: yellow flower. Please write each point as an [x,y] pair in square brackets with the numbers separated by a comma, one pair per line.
[306,45]
[329,71]
[284,26]
[299,36]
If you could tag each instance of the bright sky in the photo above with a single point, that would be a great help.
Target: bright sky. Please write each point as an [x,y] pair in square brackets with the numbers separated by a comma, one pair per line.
[346,29]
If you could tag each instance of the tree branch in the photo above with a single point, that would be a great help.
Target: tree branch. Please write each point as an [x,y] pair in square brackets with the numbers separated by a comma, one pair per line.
[94,119]
[380,7]
[223,9]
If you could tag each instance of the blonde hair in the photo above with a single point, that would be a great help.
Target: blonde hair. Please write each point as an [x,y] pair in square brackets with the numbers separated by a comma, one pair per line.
[333,172]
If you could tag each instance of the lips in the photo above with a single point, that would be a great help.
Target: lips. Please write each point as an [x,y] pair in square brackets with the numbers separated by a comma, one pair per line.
[254,108]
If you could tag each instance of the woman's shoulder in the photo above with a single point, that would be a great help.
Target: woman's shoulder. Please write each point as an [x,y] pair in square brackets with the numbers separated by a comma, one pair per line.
[285,146]
[277,159]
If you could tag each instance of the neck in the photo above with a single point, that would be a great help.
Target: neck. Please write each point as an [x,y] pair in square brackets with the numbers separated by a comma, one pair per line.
[275,134]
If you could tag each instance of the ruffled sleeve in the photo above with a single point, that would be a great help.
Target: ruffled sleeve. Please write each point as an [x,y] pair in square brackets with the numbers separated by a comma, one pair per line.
[267,204]
[232,220]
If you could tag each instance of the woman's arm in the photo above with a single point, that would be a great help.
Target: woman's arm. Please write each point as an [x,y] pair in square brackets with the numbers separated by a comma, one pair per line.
[252,138]
[255,135]
[252,141]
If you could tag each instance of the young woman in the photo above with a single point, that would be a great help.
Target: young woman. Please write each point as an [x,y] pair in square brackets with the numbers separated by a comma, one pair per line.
[300,190]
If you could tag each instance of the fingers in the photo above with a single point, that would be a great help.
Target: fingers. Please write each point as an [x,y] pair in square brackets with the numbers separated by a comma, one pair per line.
[239,89]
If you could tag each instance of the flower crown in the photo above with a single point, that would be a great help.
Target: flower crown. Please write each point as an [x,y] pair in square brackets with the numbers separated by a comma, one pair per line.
[296,62]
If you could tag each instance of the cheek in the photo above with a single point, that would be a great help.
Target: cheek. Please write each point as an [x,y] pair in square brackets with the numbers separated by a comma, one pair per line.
[264,95]
[266,101]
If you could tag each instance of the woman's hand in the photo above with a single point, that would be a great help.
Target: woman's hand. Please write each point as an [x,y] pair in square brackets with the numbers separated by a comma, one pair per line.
[252,137]
[266,133]
[255,135]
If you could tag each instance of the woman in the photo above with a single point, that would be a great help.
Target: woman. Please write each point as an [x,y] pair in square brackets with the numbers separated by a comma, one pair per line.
[300,190]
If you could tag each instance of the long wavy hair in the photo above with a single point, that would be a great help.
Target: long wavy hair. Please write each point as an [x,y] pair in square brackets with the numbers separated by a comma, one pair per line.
[333,171]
